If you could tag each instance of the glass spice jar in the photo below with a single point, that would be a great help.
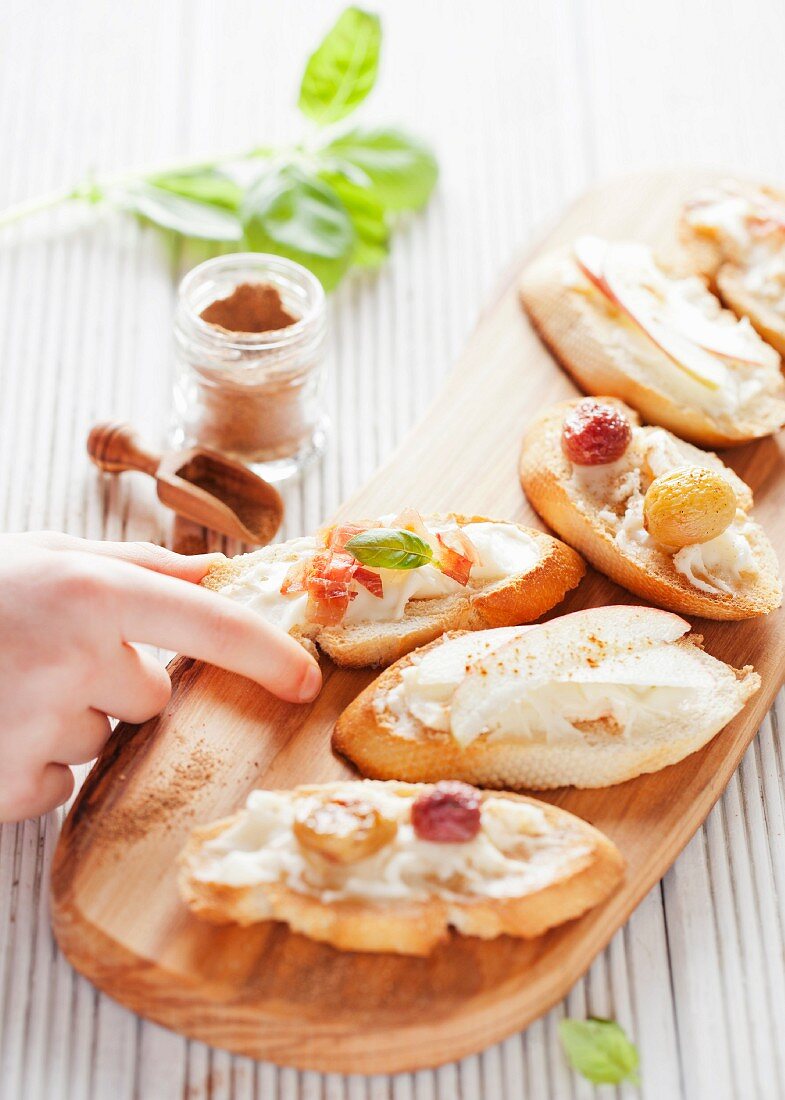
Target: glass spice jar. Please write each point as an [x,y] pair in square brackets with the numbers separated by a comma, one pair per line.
[256,396]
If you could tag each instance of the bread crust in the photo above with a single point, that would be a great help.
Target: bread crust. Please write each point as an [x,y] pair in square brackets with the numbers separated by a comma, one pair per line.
[519,599]
[365,734]
[544,472]
[414,928]
[571,329]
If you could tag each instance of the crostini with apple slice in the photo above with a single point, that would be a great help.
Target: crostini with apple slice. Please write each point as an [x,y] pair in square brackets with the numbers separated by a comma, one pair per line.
[668,521]
[391,867]
[734,235]
[620,324]
[588,699]
[367,592]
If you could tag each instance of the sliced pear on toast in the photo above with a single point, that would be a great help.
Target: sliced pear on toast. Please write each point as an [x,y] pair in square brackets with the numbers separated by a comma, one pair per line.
[587,700]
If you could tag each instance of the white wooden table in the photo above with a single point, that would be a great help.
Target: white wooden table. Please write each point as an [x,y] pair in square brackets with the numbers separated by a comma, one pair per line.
[527,103]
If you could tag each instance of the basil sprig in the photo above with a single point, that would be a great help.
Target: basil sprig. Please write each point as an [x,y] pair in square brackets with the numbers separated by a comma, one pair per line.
[389,548]
[599,1050]
[329,201]
[342,70]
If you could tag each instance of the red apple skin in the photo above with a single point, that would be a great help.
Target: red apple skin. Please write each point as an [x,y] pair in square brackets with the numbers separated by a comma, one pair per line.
[599,280]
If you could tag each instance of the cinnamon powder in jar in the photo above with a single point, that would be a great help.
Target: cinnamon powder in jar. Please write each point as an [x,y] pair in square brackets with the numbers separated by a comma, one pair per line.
[251,352]
[251,307]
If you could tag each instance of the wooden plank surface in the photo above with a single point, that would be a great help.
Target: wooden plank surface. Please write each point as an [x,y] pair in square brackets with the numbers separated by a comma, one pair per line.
[526,106]
[267,993]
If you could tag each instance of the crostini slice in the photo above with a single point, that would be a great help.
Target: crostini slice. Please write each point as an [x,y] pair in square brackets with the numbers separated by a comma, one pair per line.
[620,324]
[734,235]
[667,521]
[587,700]
[391,867]
[368,592]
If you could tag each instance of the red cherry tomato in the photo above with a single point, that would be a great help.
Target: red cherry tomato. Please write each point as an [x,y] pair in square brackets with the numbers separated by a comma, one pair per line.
[595,434]
[447,814]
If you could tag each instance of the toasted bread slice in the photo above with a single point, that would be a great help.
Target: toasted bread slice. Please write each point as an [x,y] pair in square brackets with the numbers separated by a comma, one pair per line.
[530,867]
[550,570]
[588,700]
[606,351]
[600,513]
[731,236]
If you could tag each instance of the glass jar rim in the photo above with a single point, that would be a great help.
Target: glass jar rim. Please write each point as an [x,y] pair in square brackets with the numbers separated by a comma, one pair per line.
[278,265]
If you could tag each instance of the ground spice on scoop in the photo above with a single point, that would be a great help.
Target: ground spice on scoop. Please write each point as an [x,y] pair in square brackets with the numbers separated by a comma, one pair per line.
[251,307]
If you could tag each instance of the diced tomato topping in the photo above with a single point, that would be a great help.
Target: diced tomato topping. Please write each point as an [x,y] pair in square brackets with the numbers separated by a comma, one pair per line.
[329,592]
[327,578]
[370,580]
[460,542]
[296,579]
[411,520]
[336,538]
[452,563]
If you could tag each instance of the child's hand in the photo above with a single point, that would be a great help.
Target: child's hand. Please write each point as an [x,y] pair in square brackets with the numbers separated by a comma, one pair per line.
[69,610]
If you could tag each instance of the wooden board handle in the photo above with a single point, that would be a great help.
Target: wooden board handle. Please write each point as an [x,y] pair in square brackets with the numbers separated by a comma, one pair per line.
[115,447]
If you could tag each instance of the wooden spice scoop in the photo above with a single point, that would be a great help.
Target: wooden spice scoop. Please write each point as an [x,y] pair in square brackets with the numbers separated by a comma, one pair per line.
[204,486]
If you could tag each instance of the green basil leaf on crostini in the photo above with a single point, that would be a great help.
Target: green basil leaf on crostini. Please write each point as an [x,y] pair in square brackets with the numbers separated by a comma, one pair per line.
[386,548]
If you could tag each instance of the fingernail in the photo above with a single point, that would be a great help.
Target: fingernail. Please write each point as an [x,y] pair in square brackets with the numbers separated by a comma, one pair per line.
[311,685]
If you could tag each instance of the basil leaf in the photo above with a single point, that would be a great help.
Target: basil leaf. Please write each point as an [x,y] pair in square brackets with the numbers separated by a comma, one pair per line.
[295,214]
[599,1050]
[386,548]
[372,244]
[401,170]
[180,214]
[208,186]
[342,70]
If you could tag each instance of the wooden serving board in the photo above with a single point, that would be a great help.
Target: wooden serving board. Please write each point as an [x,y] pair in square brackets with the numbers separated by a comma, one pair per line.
[271,994]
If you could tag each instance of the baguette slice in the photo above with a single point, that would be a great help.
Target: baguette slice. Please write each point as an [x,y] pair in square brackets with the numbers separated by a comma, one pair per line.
[405,897]
[588,700]
[552,571]
[607,352]
[588,523]
[732,235]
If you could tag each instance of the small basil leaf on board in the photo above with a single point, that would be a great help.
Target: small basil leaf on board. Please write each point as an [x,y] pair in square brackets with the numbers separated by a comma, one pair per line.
[208,185]
[342,70]
[387,548]
[401,171]
[182,215]
[372,244]
[295,214]
[599,1050]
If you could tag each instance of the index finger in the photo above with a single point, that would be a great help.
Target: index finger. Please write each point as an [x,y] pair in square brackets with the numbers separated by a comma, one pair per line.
[173,614]
[149,555]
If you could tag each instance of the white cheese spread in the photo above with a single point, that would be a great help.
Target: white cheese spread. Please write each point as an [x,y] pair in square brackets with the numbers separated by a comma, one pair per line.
[722,564]
[515,853]
[503,549]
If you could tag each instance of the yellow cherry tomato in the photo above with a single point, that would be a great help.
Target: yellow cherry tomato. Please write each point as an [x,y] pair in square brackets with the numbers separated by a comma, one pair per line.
[688,505]
[344,830]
